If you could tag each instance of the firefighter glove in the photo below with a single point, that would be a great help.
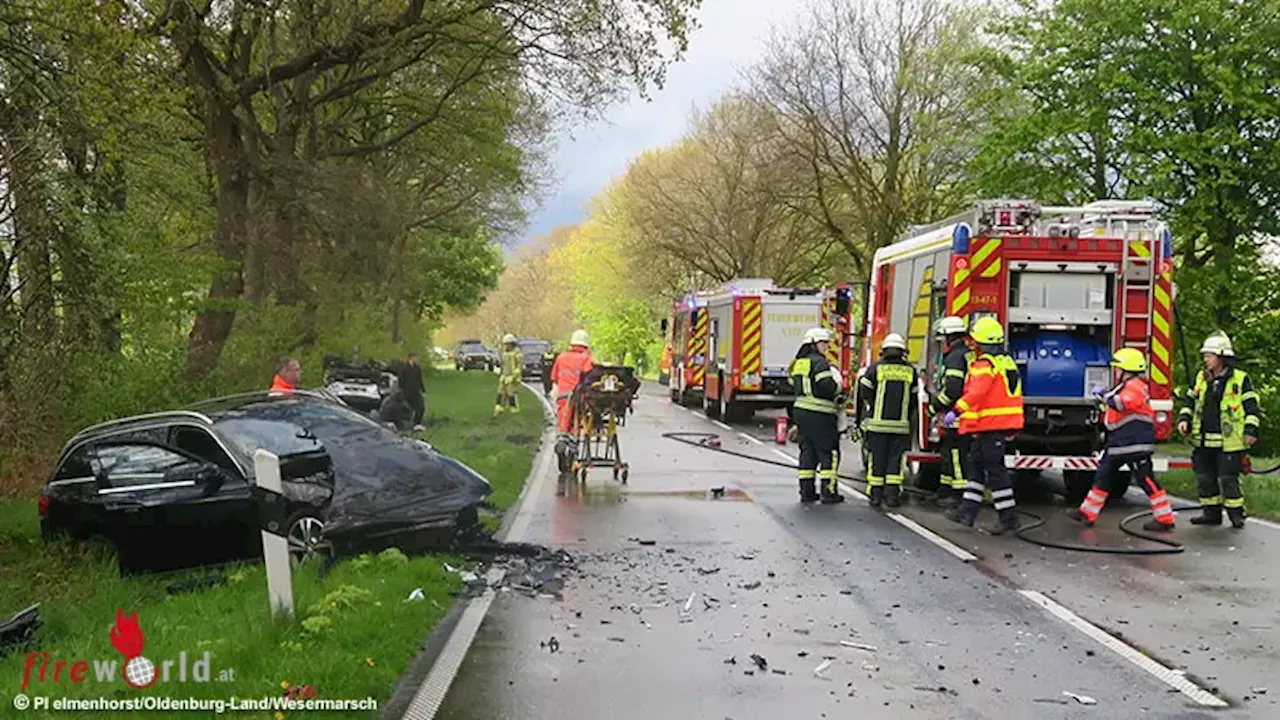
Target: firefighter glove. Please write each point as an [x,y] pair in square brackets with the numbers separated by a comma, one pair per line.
[949,420]
[1098,391]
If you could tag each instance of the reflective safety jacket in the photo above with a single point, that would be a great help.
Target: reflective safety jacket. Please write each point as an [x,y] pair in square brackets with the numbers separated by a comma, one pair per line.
[512,364]
[569,368]
[950,381]
[280,386]
[992,400]
[886,399]
[1225,410]
[815,384]
[1129,419]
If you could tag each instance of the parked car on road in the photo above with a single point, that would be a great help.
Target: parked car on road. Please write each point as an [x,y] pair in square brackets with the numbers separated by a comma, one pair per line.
[175,489]
[474,355]
[533,350]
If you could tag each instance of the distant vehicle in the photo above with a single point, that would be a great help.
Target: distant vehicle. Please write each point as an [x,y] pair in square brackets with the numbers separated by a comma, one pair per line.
[175,489]
[362,387]
[474,355]
[533,350]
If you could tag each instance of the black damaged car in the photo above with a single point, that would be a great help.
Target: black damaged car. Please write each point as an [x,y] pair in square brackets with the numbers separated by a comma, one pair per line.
[175,489]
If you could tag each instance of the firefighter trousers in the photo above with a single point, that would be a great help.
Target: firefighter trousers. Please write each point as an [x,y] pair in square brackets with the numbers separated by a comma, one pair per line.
[986,465]
[1218,478]
[1143,473]
[954,450]
[888,454]
[819,452]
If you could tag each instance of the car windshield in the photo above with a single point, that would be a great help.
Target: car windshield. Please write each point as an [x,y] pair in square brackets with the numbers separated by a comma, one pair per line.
[473,348]
[278,437]
[534,347]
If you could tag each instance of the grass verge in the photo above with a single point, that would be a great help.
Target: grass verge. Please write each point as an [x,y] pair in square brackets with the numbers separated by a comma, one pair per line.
[356,631]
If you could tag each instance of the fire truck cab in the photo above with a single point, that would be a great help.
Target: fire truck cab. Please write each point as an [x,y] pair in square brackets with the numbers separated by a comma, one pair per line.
[1070,285]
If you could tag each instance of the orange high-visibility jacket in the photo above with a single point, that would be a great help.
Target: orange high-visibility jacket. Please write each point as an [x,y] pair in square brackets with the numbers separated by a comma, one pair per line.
[569,368]
[992,400]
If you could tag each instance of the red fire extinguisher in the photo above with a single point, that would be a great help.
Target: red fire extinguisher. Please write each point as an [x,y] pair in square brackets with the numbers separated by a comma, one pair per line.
[780,431]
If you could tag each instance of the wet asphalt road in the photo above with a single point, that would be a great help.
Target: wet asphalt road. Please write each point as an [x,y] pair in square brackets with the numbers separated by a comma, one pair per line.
[939,638]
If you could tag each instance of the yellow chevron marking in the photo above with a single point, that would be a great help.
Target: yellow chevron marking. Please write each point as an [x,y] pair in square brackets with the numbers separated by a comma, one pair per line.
[1162,296]
[1158,375]
[1139,248]
[960,302]
[1161,324]
[918,328]
[1161,351]
[984,252]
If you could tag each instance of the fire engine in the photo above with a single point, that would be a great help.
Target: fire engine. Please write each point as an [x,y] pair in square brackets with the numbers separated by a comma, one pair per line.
[738,342]
[1070,285]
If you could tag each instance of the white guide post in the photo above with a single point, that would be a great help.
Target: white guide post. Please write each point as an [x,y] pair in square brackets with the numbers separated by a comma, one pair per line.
[271,520]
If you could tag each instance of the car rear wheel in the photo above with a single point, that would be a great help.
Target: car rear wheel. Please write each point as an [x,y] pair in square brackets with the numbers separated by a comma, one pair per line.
[306,538]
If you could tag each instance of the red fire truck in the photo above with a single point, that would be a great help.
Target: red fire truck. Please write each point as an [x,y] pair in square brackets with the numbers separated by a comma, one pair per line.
[1070,285]
[740,340]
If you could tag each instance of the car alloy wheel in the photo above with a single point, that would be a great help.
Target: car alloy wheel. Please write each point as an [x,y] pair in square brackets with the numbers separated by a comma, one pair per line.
[306,538]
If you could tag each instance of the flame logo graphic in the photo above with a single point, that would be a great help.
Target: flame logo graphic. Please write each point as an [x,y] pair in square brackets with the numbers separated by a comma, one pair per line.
[127,636]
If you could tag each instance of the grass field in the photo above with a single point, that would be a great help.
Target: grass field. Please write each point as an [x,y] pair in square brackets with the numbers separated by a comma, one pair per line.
[1261,492]
[356,631]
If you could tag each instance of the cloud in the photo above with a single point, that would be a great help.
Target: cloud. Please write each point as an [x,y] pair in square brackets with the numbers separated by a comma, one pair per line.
[732,36]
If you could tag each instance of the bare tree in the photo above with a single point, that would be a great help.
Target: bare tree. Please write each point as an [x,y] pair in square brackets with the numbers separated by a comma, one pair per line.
[874,101]
[716,203]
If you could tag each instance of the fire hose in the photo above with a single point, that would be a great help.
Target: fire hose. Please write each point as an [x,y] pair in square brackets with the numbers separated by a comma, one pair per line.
[711,441]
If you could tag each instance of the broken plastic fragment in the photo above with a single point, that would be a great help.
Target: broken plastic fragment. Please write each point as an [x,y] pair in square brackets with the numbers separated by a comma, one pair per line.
[1082,699]
[751,585]
[759,661]
[417,594]
[822,668]
[688,604]
[859,646]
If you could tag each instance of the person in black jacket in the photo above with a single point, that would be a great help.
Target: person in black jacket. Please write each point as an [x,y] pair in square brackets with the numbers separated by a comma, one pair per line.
[412,386]
[816,412]
[953,447]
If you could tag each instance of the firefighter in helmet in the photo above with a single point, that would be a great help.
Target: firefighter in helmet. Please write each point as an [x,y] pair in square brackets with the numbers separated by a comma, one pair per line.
[509,381]
[548,362]
[949,386]
[1131,440]
[989,411]
[816,412]
[887,409]
[1222,424]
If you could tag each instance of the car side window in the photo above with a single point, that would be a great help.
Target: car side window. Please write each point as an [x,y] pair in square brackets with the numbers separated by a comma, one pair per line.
[76,466]
[201,444]
[133,465]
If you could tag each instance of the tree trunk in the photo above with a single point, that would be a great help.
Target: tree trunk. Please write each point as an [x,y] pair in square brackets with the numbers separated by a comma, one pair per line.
[230,165]
[31,239]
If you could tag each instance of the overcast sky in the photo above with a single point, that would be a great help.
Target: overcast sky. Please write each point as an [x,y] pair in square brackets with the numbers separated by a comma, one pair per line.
[732,37]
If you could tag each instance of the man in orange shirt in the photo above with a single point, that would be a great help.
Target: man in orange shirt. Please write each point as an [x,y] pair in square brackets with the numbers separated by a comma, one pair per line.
[566,373]
[288,375]
[989,412]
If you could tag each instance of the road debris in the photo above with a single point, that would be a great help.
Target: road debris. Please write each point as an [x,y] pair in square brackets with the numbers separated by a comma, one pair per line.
[870,668]
[859,646]
[466,576]
[688,604]
[708,571]
[717,492]
[553,644]
[760,661]
[821,668]
[615,638]
[747,557]
[751,585]
[647,542]
[1054,701]
[731,660]
[776,671]
[417,594]
[1082,699]
[1259,691]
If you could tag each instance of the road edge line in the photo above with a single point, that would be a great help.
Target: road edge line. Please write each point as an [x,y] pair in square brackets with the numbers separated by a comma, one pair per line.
[722,425]
[745,436]
[955,550]
[1199,695]
[430,696]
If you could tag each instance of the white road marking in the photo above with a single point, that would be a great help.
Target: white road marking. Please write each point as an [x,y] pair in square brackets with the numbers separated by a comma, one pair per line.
[853,492]
[724,426]
[742,435]
[430,696]
[1166,675]
[700,414]
[1264,523]
[783,455]
[933,537]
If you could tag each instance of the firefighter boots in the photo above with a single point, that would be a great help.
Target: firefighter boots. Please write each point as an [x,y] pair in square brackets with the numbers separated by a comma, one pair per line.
[962,514]
[1209,515]
[808,492]
[831,497]
[893,496]
[1008,522]
[875,495]
[946,498]
[1237,517]
[1075,514]
[1157,526]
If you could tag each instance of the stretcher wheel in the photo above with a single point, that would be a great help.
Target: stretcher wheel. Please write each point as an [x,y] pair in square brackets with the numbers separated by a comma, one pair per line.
[626,473]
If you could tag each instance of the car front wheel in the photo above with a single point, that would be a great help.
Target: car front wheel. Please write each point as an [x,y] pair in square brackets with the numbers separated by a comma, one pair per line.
[306,538]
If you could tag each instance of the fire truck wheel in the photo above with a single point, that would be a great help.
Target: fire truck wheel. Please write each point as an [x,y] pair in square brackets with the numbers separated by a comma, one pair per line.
[1077,484]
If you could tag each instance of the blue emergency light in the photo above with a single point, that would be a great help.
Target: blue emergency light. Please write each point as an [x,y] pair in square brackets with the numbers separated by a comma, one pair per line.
[960,239]
[1167,241]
